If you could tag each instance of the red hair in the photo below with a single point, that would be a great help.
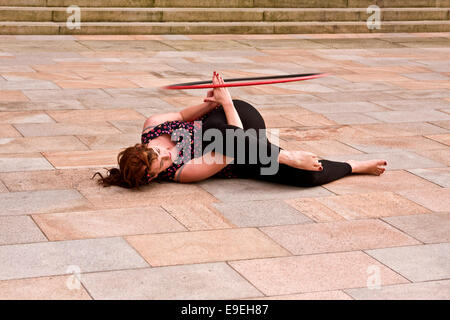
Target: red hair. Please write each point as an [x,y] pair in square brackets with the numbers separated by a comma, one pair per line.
[134,168]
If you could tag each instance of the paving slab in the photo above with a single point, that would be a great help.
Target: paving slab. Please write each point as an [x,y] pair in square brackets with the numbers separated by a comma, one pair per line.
[191,282]
[399,160]
[440,157]
[63,129]
[409,116]
[42,201]
[409,105]
[342,107]
[42,46]
[40,144]
[19,229]
[322,148]
[323,295]
[12,95]
[421,94]
[97,83]
[247,189]
[59,104]
[430,290]
[157,104]
[417,263]
[43,288]
[357,43]
[312,120]
[278,121]
[428,228]
[23,162]
[27,85]
[117,45]
[439,176]
[94,115]
[272,90]
[399,129]
[8,131]
[337,236]
[323,133]
[437,200]
[25,117]
[284,44]
[442,138]
[314,209]
[392,144]
[82,159]
[442,124]
[350,118]
[3,188]
[205,246]
[283,99]
[361,87]
[389,181]
[365,95]
[55,258]
[131,126]
[149,195]
[106,223]
[360,206]
[198,216]
[256,213]
[110,141]
[66,94]
[298,274]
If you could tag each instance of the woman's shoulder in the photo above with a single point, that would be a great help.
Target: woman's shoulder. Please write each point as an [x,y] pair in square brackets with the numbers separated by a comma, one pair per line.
[155,128]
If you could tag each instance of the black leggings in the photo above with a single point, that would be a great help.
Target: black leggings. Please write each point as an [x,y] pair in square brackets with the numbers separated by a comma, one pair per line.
[251,139]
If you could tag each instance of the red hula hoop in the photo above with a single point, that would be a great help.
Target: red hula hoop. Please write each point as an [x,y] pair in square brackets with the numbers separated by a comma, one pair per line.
[243,84]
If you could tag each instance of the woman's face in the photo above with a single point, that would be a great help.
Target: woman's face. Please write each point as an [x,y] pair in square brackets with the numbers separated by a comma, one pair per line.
[161,163]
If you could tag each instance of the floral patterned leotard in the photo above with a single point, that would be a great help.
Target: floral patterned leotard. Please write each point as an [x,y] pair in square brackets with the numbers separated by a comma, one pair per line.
[170,127]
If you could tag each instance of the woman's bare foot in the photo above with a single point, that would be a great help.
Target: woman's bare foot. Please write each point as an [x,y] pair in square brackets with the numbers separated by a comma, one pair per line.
[374,167]
[300,159]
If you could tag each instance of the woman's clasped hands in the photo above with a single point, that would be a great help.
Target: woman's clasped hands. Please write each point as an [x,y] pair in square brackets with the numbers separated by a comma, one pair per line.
[218,96]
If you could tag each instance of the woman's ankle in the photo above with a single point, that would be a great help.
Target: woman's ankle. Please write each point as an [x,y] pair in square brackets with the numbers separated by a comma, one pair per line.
[283,157]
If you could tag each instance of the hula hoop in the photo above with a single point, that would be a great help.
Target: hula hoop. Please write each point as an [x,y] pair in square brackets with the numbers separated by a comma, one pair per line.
[253,81]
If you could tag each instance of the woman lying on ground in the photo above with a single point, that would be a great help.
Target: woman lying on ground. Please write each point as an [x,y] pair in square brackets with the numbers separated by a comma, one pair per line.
[162,155]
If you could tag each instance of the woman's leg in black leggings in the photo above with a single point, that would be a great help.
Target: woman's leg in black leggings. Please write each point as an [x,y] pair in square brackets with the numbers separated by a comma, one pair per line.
[252,119]
[332,171]
[249,145]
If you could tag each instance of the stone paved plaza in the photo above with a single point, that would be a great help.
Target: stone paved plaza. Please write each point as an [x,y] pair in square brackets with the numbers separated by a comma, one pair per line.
[69,104]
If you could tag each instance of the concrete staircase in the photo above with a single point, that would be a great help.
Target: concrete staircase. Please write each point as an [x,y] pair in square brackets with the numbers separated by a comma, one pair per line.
[221,16]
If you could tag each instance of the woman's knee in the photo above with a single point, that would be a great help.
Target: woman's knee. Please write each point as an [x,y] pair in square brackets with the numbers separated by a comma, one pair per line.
[250,116]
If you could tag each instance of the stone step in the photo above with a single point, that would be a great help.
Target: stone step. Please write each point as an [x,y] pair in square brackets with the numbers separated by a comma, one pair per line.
[42,28]
[231,3]
[59,14]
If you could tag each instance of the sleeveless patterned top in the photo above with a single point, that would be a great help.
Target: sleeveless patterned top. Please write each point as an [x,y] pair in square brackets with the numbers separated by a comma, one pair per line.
[170,128]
